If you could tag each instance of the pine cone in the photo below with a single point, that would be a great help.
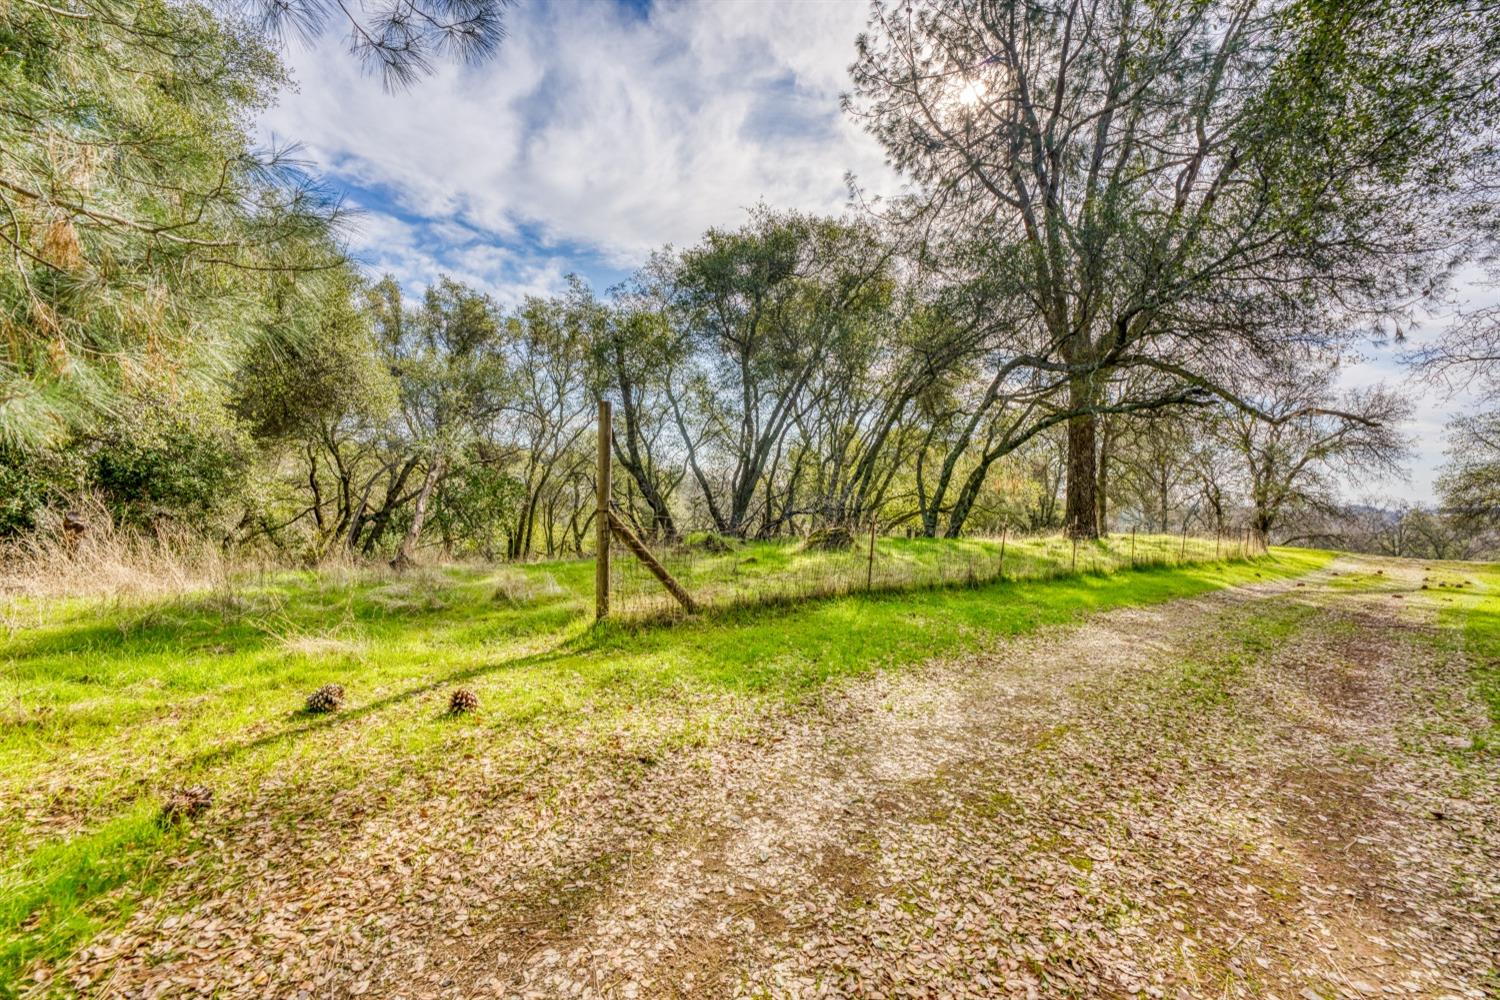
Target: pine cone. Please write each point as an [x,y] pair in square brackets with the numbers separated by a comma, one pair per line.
[185,803]
[463,700]
[328,698]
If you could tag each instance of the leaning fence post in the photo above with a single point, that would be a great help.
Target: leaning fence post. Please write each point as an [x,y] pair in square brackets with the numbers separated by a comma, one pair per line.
[1182,553]
[634,544]
[870,567]
[601,517]
[1075,554]
[1132,546]
[1003,529]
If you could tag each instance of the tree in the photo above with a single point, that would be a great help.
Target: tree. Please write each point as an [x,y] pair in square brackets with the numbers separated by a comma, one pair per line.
[1153,459]
[399,39]
[1300,435]
[1174,182]
[144,235]
[445,356]
[762,308]
[637,353]
[141,230]
[315,390]
[1469,483]
[549,403]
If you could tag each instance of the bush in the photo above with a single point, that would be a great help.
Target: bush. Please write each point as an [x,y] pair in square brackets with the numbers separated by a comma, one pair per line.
[185,459]
[29,483]
[834,538]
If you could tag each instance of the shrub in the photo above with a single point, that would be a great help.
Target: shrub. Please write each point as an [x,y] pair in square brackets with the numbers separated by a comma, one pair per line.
[186,459]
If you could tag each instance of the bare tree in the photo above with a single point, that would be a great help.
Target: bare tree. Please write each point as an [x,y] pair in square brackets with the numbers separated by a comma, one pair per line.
[1304,435]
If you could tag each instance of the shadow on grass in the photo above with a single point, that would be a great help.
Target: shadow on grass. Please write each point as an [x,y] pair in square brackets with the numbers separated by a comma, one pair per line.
[653,632]
[319,723]
[60,893]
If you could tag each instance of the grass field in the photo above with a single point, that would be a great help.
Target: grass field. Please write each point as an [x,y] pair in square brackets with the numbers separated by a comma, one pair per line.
[758,573]
[110,704]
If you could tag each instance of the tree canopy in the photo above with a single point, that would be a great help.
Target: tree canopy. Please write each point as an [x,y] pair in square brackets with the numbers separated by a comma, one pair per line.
[1139,246]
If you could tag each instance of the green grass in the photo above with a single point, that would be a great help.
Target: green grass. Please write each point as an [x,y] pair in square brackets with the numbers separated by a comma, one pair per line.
[1210,678]
[108,705]
[1471,595]
[770,572]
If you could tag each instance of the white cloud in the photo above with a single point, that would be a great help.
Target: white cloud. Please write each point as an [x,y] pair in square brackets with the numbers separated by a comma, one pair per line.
[1433,406]
[416,254]
[598,128]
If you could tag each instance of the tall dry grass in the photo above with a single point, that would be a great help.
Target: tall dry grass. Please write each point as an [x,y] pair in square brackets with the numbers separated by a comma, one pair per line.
[105,559]
[126,564]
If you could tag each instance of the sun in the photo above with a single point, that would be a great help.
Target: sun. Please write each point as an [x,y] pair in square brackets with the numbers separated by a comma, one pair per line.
[972,94]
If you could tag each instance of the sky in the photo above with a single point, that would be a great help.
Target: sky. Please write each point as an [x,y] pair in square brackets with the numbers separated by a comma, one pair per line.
[604,130]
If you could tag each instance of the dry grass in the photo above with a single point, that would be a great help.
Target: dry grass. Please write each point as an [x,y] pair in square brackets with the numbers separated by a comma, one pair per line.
[108,559]
[128,564]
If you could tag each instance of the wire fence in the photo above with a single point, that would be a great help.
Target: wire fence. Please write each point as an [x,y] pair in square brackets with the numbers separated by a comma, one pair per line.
[721,573]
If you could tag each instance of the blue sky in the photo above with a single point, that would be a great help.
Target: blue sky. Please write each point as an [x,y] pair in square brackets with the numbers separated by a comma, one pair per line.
[606,129]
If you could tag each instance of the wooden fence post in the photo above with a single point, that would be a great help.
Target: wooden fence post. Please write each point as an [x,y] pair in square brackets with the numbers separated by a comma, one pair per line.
[1075,554]
[601,517]
[1132,546]
[870,567]
[1003,529]
[1182,553]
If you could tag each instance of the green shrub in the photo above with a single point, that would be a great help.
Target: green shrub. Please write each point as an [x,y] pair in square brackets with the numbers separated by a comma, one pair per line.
[187,459]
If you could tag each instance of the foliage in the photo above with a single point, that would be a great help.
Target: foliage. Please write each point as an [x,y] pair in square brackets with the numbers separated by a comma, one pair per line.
[399,39]
[1470,481]
[29,483]
[141,226]
[1169,186]
[478,501]
[185,458]
[315,366]
[1140,241]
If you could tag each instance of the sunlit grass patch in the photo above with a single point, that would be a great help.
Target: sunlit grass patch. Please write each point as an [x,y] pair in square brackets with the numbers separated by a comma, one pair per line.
[1471,605]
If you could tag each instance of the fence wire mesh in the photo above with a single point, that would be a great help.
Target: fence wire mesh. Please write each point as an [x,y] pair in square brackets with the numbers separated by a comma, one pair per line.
[723,573]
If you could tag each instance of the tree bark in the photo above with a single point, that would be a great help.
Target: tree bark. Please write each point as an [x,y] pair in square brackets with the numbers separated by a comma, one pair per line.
[408,547]
[629,455]
[1102,480]
[1081,515]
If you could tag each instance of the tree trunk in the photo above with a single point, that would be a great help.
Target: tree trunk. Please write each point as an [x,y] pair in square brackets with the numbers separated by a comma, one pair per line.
[963,505]
[1102,490]
[629,455]
[1264,520]
[1081,515]
[408,547]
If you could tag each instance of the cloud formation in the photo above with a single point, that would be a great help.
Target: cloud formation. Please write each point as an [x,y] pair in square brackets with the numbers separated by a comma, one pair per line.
[599,133]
